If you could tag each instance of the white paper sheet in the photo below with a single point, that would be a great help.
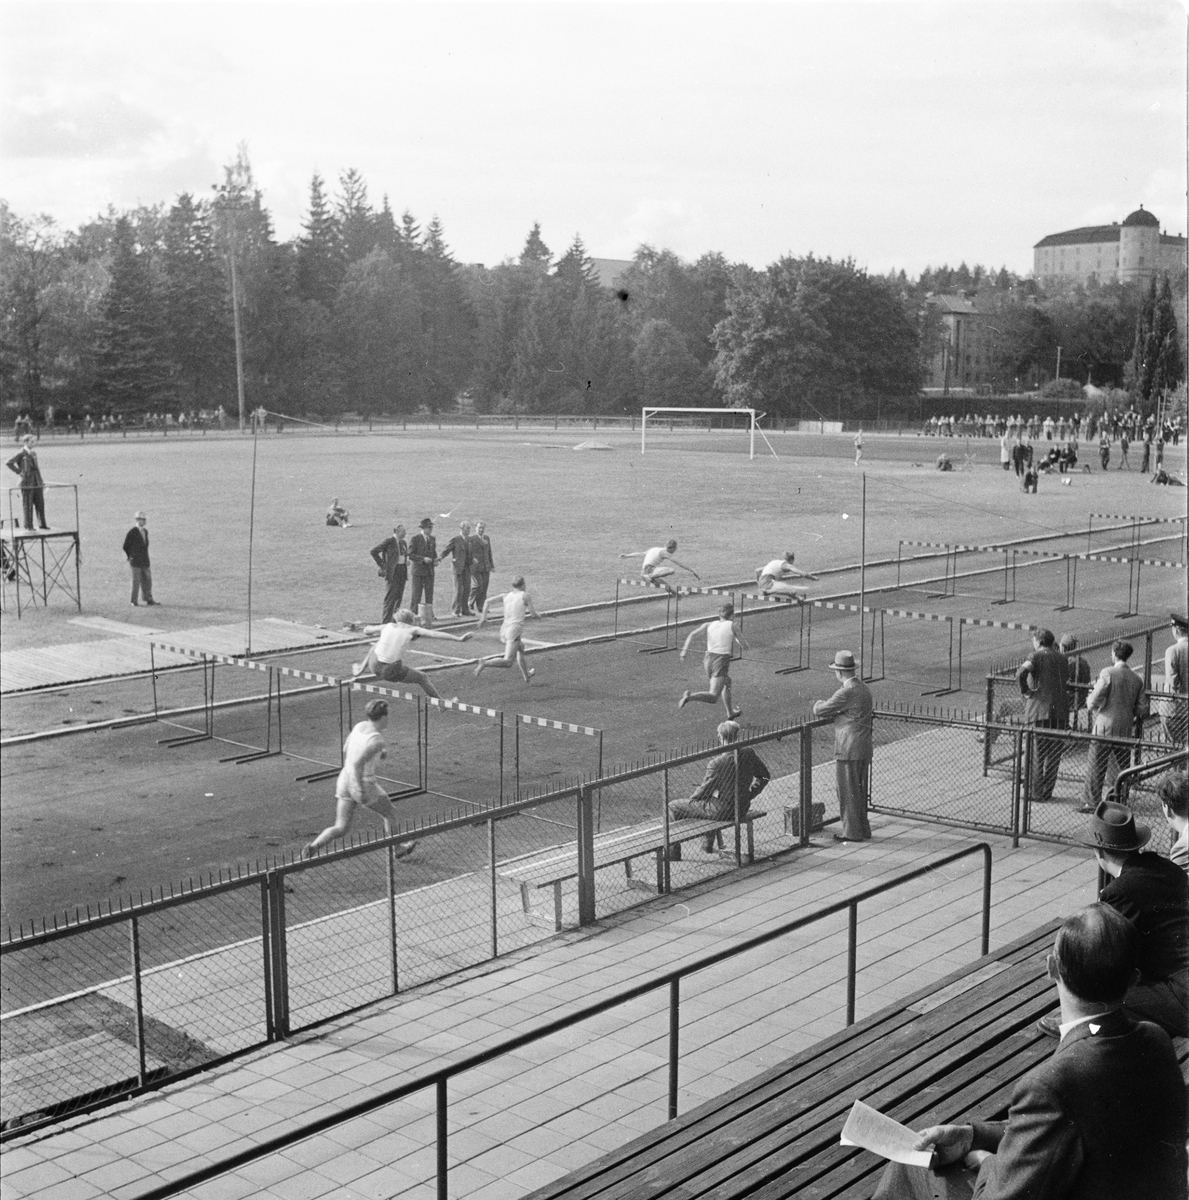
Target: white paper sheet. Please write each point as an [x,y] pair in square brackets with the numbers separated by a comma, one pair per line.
[870,1129]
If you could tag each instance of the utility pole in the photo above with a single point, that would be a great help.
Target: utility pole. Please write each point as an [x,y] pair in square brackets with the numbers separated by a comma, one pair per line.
[239,345]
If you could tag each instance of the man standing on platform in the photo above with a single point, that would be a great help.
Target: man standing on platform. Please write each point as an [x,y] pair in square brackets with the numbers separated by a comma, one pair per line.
[1175,710]
[851,707]
[1042,678]
[458,548]
[482,565]
[136,550]
[392,557]
[24,464]
[423,555]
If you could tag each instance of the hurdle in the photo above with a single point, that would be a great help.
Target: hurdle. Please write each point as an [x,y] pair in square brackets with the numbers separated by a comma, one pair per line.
[672,608]
[208,704]
[520,719]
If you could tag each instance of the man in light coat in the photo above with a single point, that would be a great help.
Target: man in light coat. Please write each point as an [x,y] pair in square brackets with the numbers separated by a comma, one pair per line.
[1042,678]
[1113,705]
[851,707]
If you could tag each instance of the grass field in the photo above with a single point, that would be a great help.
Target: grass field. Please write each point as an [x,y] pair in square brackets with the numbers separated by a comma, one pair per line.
[103,813]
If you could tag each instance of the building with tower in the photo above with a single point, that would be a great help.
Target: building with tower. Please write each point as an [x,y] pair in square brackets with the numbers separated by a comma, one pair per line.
[1131,252]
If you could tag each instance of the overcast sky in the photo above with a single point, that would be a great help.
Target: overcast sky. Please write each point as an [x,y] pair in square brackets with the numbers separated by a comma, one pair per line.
[897,134]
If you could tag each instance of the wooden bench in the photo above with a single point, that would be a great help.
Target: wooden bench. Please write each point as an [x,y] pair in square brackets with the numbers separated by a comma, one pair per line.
[951,1052]
[552,868]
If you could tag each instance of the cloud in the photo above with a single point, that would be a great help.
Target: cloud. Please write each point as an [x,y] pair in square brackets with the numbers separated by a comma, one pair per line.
[95,126]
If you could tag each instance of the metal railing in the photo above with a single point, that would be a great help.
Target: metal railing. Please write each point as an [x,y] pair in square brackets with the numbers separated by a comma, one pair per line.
[439,1079]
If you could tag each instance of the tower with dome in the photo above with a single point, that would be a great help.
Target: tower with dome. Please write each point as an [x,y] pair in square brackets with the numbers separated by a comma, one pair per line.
[1130,252]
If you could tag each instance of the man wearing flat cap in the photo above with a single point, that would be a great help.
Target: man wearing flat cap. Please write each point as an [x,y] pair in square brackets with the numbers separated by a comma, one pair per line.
[136,551]
[851,707]
[1153,894]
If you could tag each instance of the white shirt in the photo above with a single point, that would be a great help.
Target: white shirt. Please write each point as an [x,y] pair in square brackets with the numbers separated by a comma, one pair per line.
[655,557]
[776,568]
[394,639]
[720,637]
[515,607]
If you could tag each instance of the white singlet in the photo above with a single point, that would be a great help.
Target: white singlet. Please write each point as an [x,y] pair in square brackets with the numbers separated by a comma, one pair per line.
[515,614]
[720,637]
[359,741]
[654,558]
[394,639]
[775,568]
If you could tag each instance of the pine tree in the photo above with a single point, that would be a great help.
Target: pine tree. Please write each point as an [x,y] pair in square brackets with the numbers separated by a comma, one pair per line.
[197,309]
[575,269]
[535,251]
[355,217]
[132,373]
[319,250]
[410,231]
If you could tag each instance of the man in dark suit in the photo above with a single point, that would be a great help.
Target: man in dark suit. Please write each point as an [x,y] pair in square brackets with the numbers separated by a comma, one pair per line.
[1042,678]
[24,463]
[851,707]
[423,556]
[482,565]
[392,557]
[1113,705]
[1102,1119]
[136,551]
[458,548]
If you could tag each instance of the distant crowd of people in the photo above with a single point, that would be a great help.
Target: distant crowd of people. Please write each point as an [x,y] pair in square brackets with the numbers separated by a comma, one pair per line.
[1115,423]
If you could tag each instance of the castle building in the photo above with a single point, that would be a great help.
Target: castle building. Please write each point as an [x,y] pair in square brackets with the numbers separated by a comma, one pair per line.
[1130,253]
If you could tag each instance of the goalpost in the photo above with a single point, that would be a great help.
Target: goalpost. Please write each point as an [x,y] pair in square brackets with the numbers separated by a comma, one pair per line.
[753,423]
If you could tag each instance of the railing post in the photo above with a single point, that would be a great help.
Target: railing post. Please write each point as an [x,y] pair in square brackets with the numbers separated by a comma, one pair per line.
[1016,754]
[986,949]
[390,862]
[134,931]
[666,883]
[495,929]
[738,816]
[441,1139]
[586,865]
[806,788]
[279,964]
[674,1047]
[270,1026]
[852,954]
[988,718]
[1027,760]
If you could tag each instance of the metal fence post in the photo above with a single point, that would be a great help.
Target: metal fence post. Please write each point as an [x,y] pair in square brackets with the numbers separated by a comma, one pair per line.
[443,1165]
[806,781]
[988,718]
[270,1028]
[134,932]
[1028,761]
[666,883]
[674,1046]
[278,964]
[1016,755]
[586,864]
[852,954]
[494,911]
[390,862]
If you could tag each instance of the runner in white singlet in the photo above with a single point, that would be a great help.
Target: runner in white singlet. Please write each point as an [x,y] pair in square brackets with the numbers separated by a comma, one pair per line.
[518,607]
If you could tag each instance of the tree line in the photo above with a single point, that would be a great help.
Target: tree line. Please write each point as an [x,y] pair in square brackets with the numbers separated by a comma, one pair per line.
[366,312]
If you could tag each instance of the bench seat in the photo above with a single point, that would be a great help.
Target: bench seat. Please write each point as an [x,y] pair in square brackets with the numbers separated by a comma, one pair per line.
[553,867]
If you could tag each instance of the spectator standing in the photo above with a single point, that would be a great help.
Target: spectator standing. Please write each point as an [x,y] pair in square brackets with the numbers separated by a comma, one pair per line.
[1004,452]
[1042,678]
[482,565]
[1174,717]
[1078,687]
[392,557]
[136,551]
[1124,444]
[1104,450]
[458,549]
[714,797]
[851,706]
[1172,790]
[24,463]
[1146,461]
[1113,706]
[423,556]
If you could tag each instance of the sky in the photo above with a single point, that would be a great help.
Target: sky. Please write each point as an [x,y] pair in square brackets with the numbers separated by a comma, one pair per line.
[899,135]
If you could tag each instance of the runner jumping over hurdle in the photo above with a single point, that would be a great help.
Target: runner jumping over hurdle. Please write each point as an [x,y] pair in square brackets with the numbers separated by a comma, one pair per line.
[774,579]
[721,640]
[518,607]
[357,786]
[656,566]
[385,658]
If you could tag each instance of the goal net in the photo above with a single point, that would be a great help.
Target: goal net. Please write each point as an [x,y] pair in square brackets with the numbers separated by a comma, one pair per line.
[747,419]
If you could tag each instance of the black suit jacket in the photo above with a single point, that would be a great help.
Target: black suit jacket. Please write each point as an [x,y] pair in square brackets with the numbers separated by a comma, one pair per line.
[1103,1119]
[387,556]
[136,547]
[1152,892]
[423,553]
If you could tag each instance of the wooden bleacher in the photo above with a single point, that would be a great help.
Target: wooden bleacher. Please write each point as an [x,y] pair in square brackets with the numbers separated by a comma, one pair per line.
[951,1052]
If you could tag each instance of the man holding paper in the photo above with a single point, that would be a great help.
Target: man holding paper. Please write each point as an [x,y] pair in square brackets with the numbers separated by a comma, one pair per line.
[1103,1119]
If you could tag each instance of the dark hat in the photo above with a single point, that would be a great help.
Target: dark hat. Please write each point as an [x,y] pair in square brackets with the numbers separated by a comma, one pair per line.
[1113,827]
[1179,621]
[425,521]
[844,660]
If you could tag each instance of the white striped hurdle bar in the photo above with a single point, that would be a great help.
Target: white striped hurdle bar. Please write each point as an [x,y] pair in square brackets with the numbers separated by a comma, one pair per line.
[560,726]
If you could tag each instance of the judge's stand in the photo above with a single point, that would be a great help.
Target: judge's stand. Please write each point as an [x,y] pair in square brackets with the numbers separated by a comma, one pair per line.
[37,564]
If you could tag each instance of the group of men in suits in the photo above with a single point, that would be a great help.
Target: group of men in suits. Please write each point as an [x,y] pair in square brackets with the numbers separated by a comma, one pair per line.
[413,560]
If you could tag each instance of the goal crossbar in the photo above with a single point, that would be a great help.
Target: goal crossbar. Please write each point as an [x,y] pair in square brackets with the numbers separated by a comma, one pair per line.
[753,420]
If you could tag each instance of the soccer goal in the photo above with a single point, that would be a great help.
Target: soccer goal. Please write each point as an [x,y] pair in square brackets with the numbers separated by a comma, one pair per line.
[752,423]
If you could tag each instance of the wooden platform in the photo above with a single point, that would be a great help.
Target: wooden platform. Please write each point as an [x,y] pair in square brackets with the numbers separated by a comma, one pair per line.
[949,1053]
[109,658]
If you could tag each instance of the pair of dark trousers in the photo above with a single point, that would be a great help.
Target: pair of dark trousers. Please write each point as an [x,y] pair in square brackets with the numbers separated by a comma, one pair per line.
[142,581]
[33,499]
[392,597]
[422,589]
[479,584]
[462,592]
[1046,758]
[852,776]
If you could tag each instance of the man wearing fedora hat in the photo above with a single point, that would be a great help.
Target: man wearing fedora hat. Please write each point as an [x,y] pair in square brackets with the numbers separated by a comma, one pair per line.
[1102,1118]
[423,555]
[851,707]
[1153,894]
[136,551]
